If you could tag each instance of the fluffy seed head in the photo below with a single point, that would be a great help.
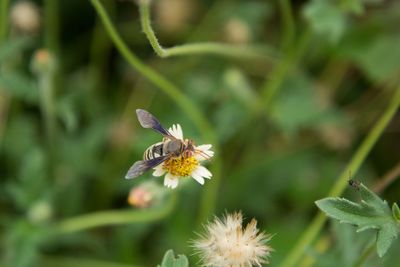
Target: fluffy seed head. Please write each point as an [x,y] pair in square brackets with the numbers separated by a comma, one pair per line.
[227,244]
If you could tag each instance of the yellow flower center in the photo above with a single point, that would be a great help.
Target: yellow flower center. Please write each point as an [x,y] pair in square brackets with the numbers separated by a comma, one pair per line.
[180,166]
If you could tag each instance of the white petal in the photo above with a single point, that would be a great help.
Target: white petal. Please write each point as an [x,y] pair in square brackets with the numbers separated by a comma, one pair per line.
[158,171]
[198,178]
[204,147]
[204,152]
[203,171]
[171,181]
[176,131]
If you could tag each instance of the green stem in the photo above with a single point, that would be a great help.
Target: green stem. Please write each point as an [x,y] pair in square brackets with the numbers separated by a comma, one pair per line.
[363,258]
[114,217]
[195,48]
[288,23]
[185,103]
[51,29]
[45,79]
[274,80]
[4,4]
[48,79]
[47,261]
[154,77]
[358,158]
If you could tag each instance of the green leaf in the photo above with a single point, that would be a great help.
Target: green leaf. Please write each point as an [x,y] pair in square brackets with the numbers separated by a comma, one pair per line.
[11,48]
[377,55]
[371,213]
[326,19]
[169,260]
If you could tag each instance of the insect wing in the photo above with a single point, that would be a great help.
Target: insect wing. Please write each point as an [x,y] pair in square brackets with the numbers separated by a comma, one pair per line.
[147,120]
[141,166]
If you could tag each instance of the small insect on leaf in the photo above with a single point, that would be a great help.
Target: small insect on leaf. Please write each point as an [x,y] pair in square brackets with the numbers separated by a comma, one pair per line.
[355,184]
[371,213]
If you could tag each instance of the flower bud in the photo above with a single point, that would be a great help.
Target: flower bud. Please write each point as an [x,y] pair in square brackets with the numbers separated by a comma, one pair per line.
[40,211]
[237,31]
[42,62]
[140,197]
[25,17]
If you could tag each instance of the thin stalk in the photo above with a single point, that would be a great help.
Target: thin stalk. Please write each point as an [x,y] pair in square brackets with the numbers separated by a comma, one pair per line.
[195,48]
[364,256]
[51,23]
[48,79]
[275,79]
[47,104]
[4,99]
[4,4]
[288,23]
[184,102]
[50,261]
[358,158]
[114,217]
[387,179]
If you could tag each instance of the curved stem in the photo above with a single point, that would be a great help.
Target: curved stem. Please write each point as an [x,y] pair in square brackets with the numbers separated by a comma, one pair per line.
[114,217]
[195,48]
[358,158]
[154,77]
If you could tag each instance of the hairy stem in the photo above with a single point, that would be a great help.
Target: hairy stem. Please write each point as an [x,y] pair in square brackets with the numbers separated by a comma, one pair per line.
[195,48]
[358,158]
[154,77]
[184,102]
[115,217]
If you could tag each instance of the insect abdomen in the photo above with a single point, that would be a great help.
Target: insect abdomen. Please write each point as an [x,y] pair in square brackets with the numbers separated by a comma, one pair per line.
[154,151]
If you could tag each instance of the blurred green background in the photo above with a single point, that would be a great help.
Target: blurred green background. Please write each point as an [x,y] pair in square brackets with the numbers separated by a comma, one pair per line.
[284,124]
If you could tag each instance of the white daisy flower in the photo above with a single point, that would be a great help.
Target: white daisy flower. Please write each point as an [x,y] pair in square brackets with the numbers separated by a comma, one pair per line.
[183,166]
[226,243]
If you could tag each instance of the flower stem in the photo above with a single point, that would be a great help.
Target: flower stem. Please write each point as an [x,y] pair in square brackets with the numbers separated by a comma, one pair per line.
[360,262]
[235,51]
[274,81]
[154,77]
[115,217]
[51,22]
[50,261]
[358,158]
[288,23]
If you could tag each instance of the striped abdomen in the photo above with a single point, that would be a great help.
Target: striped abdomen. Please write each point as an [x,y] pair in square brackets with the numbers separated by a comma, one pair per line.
[154,151]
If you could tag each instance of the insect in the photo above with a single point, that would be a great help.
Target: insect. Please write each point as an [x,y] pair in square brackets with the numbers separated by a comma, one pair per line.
[355,184]
[161,151]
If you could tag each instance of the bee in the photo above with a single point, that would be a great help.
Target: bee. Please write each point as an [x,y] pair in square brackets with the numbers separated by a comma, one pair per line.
[159,152]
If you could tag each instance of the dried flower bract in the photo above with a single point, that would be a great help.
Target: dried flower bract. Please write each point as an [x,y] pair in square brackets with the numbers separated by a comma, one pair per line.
[227,243]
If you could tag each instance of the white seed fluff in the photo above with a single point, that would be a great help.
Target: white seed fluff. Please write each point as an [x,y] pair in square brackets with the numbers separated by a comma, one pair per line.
[227,244]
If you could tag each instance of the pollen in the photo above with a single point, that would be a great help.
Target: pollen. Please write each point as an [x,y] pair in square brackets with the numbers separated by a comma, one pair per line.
[180,166]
